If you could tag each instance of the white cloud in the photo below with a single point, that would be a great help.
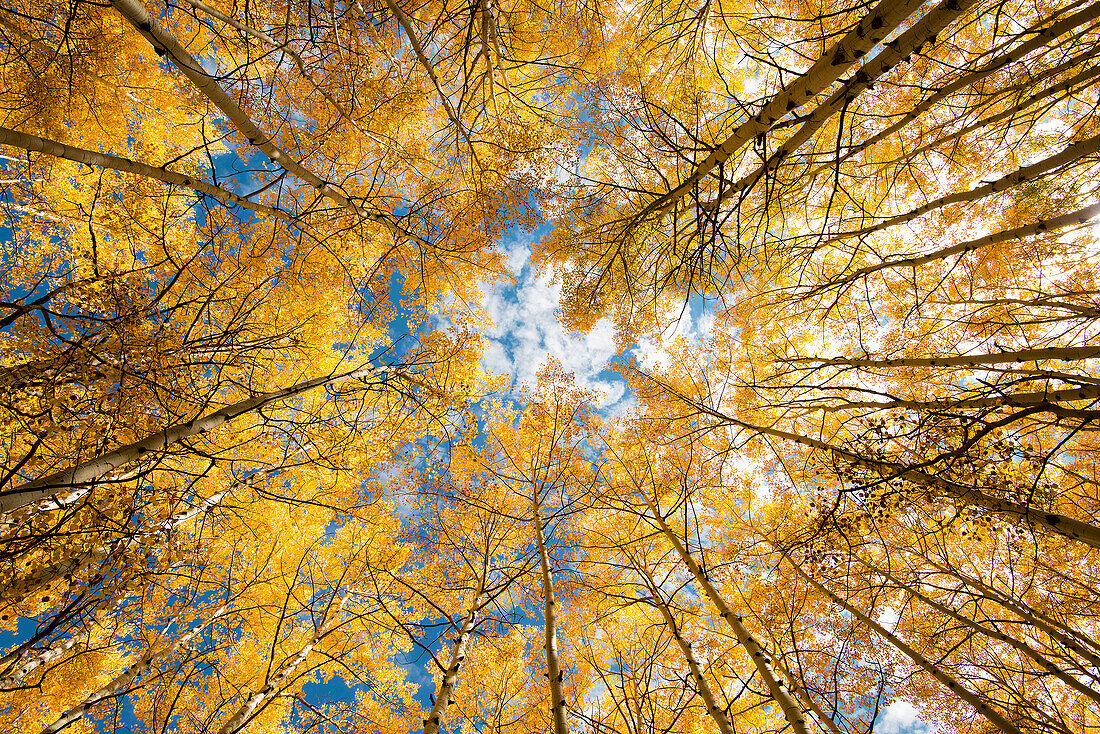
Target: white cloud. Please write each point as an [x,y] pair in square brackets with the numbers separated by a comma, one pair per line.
[662,349]
[518,255]
[902,717]
[495,358]
[526,332]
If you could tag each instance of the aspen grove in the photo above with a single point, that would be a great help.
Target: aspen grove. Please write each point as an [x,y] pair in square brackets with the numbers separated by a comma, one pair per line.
[260,476]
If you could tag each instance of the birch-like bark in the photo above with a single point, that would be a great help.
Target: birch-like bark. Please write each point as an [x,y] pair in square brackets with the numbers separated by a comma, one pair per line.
[30,142]
[553,667]
[1046,401]
[1071,639]
[15,519]
[823,718]
[259,700]
[1072,153]
[49,574]
[92,469]
[169,46]
[283,48]
[1041,39]
[1051,522]
[1053,224]
[447,683]
[930,24]
[717,713]
[16,666]
[490,43]
[1019,645]
[792,712]
[33,663]
[1062,354]
[979,706]
[18,663]
[868,33]
[122,682]
[1049,96]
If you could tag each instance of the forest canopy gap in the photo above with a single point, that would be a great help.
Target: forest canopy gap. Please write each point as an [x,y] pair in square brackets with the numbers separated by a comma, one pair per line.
[263,471]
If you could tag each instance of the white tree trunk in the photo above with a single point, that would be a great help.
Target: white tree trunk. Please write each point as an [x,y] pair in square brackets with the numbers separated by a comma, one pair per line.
[553,667]
[979,706]
[117,163]
[254,703]
[868,33]
[122,682]
[446,685]
[716,713]
[92,469]
[776,687]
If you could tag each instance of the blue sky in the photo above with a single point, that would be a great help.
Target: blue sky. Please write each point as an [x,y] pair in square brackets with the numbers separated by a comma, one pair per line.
[527,332]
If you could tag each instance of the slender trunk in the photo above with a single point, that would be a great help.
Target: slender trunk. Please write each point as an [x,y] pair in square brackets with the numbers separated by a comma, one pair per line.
[16,665]
[1063,354]
[1044,401]
[12,521]
[868,33]
[1024,514]
[930,24]
[169,46]
[1071,154]
[33,663]
[1023,647]
[1053,224]
[717,713]
[1050,96]
[446,684]
[284,48]
[982,708]
[490,44]
[553,668]
[1056,631]
[122,683]
[1041,39]
[792,712]
[48,574]
[824,719]
[117,163]
[92,469]
[259,700]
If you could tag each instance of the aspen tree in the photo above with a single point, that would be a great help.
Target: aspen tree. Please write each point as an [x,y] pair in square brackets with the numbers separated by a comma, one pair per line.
[983,709]
[656,597]
[89,471]
[124,680]
[541,457]
[1043,662]
[284,674]
[760,659]
[887,207]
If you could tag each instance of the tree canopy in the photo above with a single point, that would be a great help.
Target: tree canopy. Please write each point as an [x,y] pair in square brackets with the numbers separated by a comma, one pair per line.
[257,477]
